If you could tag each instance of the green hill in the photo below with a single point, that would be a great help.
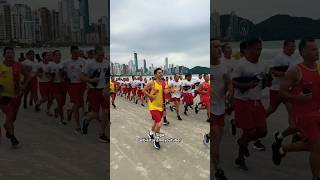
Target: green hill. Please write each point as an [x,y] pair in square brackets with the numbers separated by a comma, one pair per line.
[199,70]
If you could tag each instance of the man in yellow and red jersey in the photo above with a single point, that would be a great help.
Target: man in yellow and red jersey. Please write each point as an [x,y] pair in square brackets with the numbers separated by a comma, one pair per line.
[11,73]
[156,90]
[113,93]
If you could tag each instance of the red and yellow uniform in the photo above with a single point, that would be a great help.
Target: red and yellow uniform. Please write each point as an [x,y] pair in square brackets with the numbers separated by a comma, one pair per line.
[156,106]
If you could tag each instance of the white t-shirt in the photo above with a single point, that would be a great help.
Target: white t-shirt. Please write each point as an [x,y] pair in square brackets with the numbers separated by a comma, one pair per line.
[189,84]
[44,76]
[56,68]
[140,84]
[74,69]
[31,64]
[220,75]
[231,64]
[94,69]
[248,69]
[177,89]
[280,60]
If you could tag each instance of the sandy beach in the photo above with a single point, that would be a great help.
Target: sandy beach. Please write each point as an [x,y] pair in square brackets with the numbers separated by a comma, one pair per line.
[52,151]
[187,159]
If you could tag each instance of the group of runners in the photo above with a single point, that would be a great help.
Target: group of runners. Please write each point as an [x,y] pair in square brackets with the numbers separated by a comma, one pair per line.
[61,87]
[237,97]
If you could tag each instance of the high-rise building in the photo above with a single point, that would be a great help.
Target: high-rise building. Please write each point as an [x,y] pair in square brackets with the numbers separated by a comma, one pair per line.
[36,33]
[136,61]
[84,14]
[55,25]
[144,66]
[131,67]
[5,22]
[166,64]
[45,24]
[21,25]
[75,28]
[102,26]
[215,23]
[66,12]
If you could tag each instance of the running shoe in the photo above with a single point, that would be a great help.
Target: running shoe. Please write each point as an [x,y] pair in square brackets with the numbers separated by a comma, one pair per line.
[156,144]
[171,108]
[103,138]
[259,146]
[151,135]
[179,118]
[206,139]
[78,131]
[14,141]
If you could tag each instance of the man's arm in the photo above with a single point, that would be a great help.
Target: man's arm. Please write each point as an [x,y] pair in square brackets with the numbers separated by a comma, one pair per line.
[147,89]
[291,78]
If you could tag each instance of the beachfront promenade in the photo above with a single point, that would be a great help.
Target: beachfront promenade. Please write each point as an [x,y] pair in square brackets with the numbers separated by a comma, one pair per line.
[51,151]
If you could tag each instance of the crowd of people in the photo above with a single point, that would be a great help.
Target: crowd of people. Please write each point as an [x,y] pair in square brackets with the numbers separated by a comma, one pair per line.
[160,92]
[51,81]
[237,87]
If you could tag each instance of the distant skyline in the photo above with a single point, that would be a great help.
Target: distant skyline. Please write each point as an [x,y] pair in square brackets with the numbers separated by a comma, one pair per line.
[178,29]
[97,8]
[261,10]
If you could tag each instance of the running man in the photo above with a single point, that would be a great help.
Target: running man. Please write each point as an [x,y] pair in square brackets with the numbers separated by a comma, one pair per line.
[301,87]
[140,85]
[187,93]
[75,88]
[221,78]
[250,114]
[279,68]
[45,83]
[32,87]
[176,88]
[113,93]
[12,89]
[156,90]
[97,101]
[59,86]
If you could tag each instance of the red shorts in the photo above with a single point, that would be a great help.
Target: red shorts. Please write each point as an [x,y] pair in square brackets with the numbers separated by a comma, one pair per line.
[275,98]
[60,89]
[250,114]
[173,99]
[134,91]
[75,91]
[33,85]
[45,89]
[168,96]
[309,125]
[217,120]
[13,105]
[206,101]
[129,91]
[156,115]
[140,93]
[113,95]
[188,98]
[96,99]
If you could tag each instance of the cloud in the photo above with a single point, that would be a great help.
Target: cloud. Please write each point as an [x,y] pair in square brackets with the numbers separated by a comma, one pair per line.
[177,29]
